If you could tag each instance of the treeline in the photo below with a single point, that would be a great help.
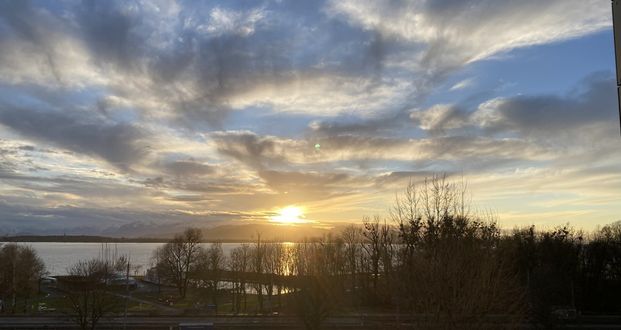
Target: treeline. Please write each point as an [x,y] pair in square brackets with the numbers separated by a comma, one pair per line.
[431,258]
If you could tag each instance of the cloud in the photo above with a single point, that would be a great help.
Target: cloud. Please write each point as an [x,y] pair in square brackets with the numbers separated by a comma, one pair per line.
[117,143]
[219,105]
[248,148]
[37,48]
[270,152]
[466,83]
[226,21]
[594,102]
[455,32]
[196,64]
[439,118]
[304,183]
[189,168]
[367,126]
[110,31]
[21,219]
[588,108]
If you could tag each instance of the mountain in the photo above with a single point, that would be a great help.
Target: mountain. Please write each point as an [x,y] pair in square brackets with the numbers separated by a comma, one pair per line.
[145,232]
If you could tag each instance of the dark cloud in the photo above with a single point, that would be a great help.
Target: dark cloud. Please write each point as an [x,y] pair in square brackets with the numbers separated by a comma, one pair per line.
[446,35]
[156,182]
[593,102]
[228,66]
[35,27]
[27,148]
[201,60]
[18,219]
[17,15]
[361,145]
[215,187]
[248,148]
[189,168]
[222,67]
[375,126]
[195,184]
[90,188]
[117,143]
[108,32]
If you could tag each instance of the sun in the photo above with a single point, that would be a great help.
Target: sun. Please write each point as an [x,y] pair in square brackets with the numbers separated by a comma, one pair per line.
[289,215]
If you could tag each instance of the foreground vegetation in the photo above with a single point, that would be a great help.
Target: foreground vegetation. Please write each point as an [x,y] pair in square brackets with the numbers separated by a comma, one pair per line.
[431,258]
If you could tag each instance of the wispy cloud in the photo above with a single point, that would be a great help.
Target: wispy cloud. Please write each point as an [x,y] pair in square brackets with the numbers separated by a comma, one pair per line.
[466,83]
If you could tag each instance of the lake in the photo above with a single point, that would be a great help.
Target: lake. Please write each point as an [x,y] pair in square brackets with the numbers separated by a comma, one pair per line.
[58,257]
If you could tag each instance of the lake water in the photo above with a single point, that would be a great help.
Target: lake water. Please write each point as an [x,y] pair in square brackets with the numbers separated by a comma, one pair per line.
[58,257]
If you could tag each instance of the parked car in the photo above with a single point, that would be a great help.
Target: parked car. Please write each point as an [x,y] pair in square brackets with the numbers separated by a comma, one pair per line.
[122,280]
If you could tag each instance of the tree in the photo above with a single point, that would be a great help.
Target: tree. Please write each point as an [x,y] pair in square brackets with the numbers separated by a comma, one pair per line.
[212,263]
[30,269]
[239,263]
[258,256]
[372,247]
[20,272]
[273,267]
[313,302]
[601,271]
[352,238]
[450,266]
[89,296]
[177,260]
[555,273]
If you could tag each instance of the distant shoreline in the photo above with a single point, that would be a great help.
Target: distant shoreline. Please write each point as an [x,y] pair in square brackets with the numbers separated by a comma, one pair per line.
[99,239]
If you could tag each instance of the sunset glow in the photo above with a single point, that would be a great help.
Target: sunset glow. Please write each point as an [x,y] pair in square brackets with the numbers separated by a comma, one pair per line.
[289,215]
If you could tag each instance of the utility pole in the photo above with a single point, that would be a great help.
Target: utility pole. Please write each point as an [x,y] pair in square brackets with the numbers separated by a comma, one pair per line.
[14,289]
[126,294]
[616,27]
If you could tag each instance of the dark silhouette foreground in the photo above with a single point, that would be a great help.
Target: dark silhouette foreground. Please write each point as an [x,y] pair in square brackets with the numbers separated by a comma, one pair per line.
[431,263]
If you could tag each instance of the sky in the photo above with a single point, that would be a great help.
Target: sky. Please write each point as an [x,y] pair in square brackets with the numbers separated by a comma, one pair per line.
[127,115]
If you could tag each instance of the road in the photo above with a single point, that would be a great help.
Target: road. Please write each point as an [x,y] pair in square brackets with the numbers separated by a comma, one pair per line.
[245,322]
[375,321]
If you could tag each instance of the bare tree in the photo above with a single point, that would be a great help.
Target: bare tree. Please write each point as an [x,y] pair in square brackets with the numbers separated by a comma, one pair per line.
[372,246]
[258,256]
[237,267]
[242,256]
[177,260]
[87,290]
[211,265]
[450,267]
[352,236]
[273,267]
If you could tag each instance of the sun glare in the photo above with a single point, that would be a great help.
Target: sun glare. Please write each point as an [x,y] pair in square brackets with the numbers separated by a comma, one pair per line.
[289,215]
